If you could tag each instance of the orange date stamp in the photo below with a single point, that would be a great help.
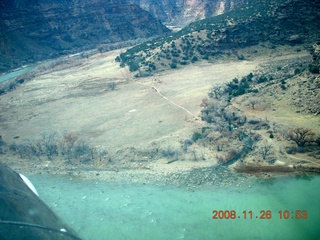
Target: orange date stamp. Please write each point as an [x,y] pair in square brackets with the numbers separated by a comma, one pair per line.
[262,214]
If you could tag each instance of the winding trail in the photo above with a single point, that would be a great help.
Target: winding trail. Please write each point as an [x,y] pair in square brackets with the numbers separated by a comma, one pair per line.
[167,99]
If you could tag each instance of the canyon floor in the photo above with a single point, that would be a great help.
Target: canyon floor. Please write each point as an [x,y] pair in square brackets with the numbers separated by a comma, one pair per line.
[105,105]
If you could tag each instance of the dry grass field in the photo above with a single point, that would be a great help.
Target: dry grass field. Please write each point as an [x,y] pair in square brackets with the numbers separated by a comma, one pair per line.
[137,112]
[104,104]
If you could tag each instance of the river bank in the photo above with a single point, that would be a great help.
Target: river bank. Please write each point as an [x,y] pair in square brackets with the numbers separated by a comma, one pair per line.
[16,72]
[185,174]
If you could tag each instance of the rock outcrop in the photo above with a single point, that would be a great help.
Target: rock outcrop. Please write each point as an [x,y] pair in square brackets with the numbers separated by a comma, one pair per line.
[41,29]
[181,12]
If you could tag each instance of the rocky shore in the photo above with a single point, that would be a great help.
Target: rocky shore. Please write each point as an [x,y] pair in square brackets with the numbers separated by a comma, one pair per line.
[189,175]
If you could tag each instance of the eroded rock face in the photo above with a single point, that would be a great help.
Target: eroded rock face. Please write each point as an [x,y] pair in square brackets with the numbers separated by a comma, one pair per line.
[40,29]
[181,12]
[314,67]
[316,52]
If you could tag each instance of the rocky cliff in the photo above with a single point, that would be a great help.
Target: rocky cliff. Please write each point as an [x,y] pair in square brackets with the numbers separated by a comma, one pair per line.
[181,12]
[41,29]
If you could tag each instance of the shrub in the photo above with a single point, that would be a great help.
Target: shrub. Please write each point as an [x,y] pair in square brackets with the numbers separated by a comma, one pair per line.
[170,153]
[253,122]
[314,68]
[175,54]
[133,66]
[196,136]
[20,81]
[186,143]
[111,86]
[27,149]
[50,146]
[12,86]
[83,151]
[173,65]
[254,90]
[291,150]
[297,71]
[262,79]
[249,77]
[241,57]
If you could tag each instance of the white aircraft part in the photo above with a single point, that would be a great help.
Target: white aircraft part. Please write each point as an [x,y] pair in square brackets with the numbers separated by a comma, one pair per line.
[29,184]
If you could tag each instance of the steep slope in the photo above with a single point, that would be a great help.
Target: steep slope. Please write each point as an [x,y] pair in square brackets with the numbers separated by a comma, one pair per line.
[271,22]
[182,12]
[41,29]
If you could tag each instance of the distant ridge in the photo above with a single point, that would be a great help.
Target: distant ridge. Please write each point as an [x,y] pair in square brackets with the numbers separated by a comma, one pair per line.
[41,29]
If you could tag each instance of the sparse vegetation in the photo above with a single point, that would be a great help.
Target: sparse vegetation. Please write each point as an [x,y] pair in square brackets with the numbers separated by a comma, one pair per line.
[229,128]
[51,146]
[111,86]
[301,136]
[253,23]
[265,149]
[171,154]
[196,136]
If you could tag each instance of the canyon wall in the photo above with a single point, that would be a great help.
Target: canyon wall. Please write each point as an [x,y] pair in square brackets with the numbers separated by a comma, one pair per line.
[41,29]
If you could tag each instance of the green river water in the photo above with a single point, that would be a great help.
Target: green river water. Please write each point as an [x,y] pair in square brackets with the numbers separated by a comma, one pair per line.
[102,210]
[7,76]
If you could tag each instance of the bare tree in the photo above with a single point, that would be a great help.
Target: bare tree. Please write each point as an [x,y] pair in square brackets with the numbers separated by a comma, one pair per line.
[221,143]
[218,140]
[49,144]
[253,102]
[265,149]
[216,91]
[301,136]
[67,145]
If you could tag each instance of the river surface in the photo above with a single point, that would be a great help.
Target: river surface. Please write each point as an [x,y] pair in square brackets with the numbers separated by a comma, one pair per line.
[102,210]
[7,76]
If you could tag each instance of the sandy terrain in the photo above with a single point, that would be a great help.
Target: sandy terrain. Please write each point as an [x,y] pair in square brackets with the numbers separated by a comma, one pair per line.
[163,108]
[157,112]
